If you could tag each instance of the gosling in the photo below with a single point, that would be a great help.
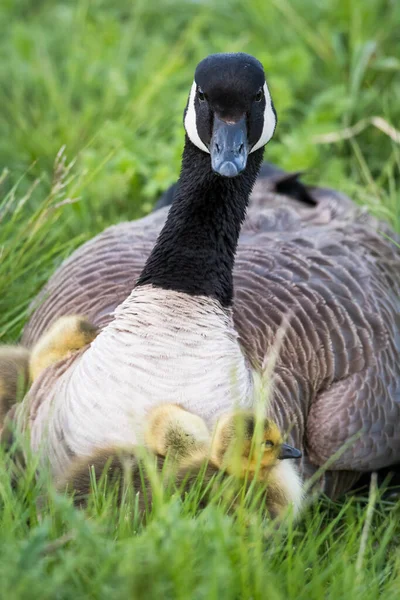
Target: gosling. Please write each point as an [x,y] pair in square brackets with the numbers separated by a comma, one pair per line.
[250,449]
[66,336]
[171,430]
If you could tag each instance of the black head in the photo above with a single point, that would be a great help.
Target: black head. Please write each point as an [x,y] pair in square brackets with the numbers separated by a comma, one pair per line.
[229,112]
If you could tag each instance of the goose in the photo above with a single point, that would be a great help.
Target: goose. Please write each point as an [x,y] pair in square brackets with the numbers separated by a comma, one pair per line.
[189,313]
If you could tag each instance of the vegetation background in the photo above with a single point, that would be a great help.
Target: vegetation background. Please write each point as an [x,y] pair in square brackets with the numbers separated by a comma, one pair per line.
[91,100]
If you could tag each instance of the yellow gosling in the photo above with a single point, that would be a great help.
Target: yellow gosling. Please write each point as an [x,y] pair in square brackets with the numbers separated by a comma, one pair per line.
[67,335]
[247,448]
[172,430]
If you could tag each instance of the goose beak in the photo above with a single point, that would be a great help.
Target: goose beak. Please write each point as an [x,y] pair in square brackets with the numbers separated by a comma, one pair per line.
[289,452]
[229,147]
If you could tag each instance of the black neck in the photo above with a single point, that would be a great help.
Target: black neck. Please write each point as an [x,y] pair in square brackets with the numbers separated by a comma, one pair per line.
[196,248]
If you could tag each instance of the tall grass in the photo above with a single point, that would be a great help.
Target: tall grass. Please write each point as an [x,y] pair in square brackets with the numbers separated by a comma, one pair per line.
[107,83]
[49,549]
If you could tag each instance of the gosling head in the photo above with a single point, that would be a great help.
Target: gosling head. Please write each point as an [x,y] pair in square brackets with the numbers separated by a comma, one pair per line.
[242,444]
[229,113]
[171,430]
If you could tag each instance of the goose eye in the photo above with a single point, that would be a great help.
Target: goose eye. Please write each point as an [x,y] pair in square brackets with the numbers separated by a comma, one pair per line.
[201,95]
[267,444]
[259,96]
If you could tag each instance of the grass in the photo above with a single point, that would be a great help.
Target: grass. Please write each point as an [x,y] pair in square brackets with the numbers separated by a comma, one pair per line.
[92,94]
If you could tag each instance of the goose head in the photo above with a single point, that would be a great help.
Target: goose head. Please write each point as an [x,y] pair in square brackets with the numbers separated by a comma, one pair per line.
[229,113]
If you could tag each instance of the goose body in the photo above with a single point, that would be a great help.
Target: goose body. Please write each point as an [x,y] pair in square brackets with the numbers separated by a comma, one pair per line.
[318,264]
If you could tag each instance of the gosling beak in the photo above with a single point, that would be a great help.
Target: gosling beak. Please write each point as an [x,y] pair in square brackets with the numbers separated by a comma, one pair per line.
[229,147]
[289,452]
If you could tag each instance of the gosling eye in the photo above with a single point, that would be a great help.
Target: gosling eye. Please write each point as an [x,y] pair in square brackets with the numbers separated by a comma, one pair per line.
[201,95]
[259,96]
[267,444]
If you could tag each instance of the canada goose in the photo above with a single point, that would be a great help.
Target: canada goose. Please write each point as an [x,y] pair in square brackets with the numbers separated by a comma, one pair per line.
[176,338]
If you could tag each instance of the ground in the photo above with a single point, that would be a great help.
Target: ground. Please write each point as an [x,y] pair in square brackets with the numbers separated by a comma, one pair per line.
[91,96]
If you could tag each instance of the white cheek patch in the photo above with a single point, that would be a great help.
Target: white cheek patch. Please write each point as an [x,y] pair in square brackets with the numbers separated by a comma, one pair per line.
[190,121]
[269,121]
